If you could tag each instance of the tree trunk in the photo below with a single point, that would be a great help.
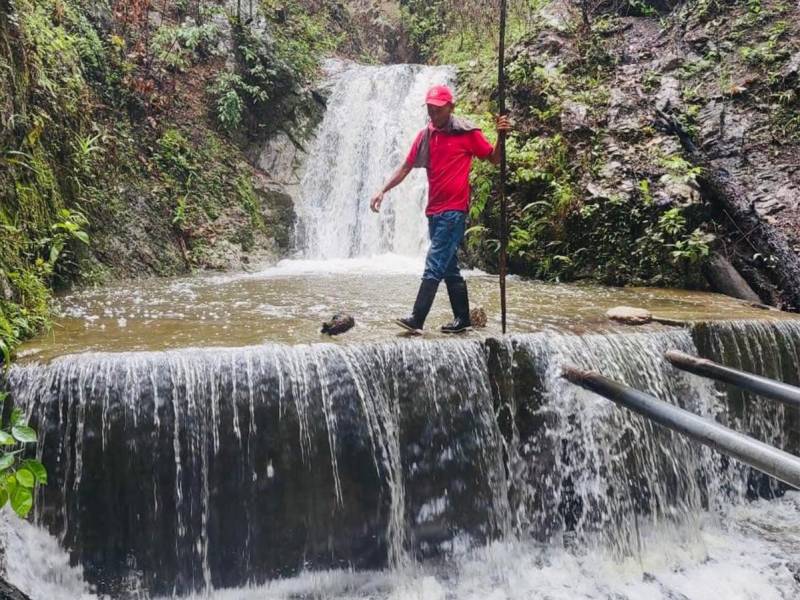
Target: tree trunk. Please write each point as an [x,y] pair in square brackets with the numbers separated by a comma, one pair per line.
[726,279]
[781,264]
[763,257]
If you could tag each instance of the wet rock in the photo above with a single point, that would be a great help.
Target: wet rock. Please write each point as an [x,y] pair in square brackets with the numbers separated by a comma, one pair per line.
[574,117]
[670,62]
[611,169]
[598,192]
[478,317]
[669,94]
[787,194]
[711,119]
[11,592]
[338,324]
[697,38]
[154,18]
[770,207]
[277,211]
[280,159]
[679,192]
[792,67]
[6,293]
[628,315]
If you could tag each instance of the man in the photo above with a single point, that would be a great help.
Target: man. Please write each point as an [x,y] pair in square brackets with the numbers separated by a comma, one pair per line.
[445,148]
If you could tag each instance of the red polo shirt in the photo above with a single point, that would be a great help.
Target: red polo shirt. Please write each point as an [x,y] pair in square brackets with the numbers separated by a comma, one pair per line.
[448,169]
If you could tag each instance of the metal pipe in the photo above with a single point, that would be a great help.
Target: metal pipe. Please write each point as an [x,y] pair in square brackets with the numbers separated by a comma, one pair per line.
[782,392]
[765,458]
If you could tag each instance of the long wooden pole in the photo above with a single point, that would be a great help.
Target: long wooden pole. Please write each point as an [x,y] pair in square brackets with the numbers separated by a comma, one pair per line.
[501,82]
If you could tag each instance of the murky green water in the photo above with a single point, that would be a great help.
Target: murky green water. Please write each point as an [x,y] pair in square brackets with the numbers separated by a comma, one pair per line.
[288,303]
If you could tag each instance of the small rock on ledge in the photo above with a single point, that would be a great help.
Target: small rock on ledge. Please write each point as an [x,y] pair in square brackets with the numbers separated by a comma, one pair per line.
[477,317]
[338,324]
[629,315]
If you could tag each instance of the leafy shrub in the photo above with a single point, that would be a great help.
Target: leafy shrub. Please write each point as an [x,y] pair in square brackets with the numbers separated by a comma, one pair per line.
[176,47]
[18,476]
[230,91]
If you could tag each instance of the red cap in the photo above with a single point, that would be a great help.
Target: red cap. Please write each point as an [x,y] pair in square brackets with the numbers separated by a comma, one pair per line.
[439,95]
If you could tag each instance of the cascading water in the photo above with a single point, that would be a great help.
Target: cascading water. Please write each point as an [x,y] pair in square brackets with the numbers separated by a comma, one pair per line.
[373,115]
[424,469]
[252,464]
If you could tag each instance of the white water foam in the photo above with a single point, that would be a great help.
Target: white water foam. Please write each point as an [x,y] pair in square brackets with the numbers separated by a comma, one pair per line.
[35,563]
[750,552]
[381,264]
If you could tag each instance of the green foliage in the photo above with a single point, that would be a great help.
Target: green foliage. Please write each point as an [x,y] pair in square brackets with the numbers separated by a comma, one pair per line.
[233,95]
[249,200]
[301,38]
[47,156]
[175,156]
[175,47]
[18,476]
[693,249]
[425,23]
[627,240]
[270,66]
[197,179]
[679,170]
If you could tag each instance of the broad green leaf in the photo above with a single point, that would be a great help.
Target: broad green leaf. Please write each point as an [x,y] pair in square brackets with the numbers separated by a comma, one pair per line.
[24,434]
[38,470]
[3,497]
[16,416]
[82,236]
[22,501]
[6,461]
[6,439]
[11,484]
[25,478]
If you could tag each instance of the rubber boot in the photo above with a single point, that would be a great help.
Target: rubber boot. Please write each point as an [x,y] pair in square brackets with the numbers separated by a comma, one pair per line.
[422,306]
[459,300]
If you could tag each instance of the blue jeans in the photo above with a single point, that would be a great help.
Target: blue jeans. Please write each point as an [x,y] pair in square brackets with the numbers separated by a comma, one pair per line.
[446,230]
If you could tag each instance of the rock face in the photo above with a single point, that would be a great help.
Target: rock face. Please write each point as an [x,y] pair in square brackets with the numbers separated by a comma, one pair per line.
[735,94]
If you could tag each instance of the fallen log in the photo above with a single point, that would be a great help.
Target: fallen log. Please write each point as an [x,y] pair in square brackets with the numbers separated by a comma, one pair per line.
[779,265]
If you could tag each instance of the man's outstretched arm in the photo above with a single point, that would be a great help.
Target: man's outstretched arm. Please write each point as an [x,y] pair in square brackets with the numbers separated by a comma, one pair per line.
[397,178]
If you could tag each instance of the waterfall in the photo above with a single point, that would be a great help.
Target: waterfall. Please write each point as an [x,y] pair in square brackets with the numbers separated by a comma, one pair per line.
[372,117]
[423,468]
[202,468]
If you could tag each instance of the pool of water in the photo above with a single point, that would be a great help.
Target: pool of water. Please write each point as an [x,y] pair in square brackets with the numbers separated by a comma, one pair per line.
[287,303]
